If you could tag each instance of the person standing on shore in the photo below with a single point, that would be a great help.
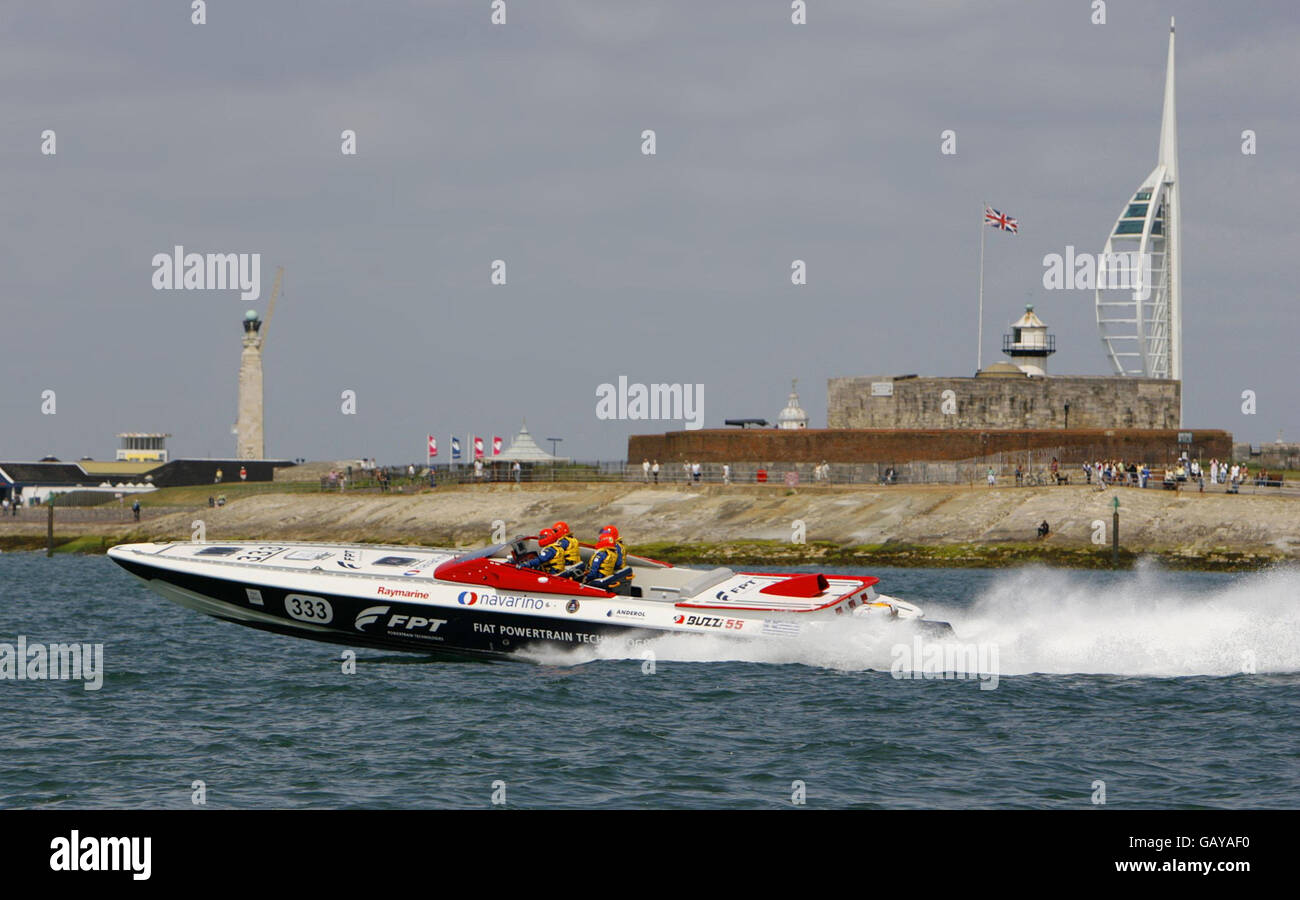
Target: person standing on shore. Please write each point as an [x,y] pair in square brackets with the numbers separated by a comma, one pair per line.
[992,477]
[726,473]
[645,470]
[654,469]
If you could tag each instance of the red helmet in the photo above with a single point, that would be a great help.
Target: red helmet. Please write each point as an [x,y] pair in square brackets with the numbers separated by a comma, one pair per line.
[560,529]
[606,540]
[546,537]
[609,530]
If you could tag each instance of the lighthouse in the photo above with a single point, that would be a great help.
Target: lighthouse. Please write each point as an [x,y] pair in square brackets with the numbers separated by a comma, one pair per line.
[1029,344]
[249,443]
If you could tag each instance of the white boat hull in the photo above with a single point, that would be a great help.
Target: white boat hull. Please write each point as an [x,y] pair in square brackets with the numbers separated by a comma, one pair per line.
[436,601]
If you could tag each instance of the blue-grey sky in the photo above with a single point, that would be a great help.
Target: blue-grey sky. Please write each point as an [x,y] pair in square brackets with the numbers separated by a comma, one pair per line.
[522,142]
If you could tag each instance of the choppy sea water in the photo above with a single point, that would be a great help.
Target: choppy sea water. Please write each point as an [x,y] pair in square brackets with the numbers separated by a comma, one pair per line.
[1140,680]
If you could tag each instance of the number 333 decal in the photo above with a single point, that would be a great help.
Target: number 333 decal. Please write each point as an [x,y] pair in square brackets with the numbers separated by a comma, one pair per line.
[309,609]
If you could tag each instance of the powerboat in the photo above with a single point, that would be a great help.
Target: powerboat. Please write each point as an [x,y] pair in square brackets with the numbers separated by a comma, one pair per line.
[486,602]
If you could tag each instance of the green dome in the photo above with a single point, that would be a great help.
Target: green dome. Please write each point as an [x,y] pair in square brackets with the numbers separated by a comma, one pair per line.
[250,315]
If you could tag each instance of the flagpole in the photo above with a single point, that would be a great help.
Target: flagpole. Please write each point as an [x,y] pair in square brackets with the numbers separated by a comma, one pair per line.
[979,350]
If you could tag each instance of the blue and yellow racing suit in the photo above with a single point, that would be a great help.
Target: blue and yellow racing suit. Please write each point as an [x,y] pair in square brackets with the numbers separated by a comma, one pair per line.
[604,563]
[570,553]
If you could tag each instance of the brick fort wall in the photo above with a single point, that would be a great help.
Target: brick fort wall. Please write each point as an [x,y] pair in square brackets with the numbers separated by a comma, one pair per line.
[893,446]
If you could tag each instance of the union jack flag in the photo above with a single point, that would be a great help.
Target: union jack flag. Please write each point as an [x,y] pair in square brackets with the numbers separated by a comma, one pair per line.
[1000,220]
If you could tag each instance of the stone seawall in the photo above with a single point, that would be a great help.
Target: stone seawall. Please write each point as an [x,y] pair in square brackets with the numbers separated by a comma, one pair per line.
[1184,524]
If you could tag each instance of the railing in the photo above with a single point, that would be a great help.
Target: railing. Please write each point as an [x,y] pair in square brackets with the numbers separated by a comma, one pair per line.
[1035,469]
[108,512]
[1013,346]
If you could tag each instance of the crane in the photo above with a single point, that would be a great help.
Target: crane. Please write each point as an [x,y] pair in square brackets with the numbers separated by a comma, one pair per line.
[270,306]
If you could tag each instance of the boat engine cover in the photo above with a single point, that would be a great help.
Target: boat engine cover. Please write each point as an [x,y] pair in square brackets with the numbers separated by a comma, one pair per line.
[807,585]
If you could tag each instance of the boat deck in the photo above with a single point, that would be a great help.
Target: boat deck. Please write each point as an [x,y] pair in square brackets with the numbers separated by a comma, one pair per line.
[721,589]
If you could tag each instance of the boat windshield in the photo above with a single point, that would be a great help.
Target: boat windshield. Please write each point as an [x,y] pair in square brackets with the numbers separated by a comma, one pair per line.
[493,550]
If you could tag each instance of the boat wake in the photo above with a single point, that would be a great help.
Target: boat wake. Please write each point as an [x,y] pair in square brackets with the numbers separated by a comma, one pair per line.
[1149,622]
[1145,623]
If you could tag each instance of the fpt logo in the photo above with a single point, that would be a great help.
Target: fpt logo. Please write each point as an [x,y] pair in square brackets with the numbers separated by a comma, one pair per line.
[467,598]
[370,616]
[373,614]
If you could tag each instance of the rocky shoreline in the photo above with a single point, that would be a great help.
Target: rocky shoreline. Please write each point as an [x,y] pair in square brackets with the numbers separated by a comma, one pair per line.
[833,525]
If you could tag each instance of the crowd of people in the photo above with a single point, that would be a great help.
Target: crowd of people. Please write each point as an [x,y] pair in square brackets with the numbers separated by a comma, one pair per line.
[1117,472]
[1183,471]
[1131,473]
[692,472]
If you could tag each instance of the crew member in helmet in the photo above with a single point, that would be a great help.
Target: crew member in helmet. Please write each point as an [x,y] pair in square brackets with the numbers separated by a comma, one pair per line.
[570,550]
[612,531]
[606,563]
[549,554]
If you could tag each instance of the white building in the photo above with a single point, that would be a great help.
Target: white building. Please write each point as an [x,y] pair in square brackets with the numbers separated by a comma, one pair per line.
[793,415]
[143,446]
